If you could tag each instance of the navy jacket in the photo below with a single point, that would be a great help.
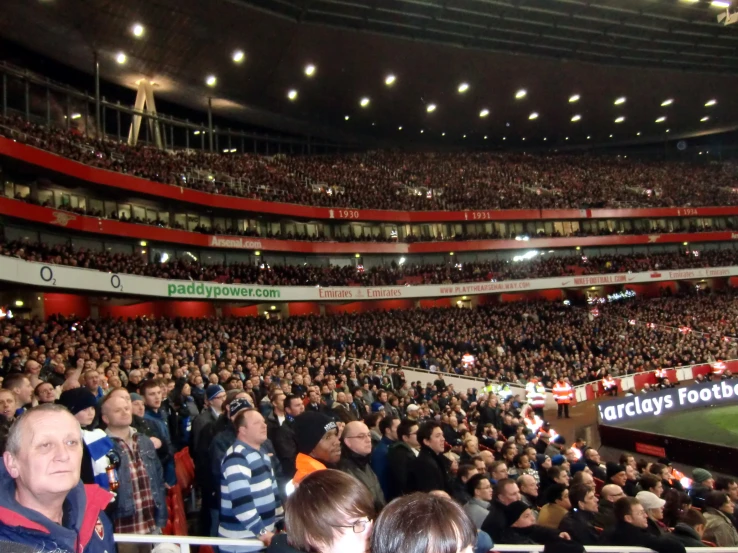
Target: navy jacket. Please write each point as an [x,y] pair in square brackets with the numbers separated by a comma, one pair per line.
[88,530]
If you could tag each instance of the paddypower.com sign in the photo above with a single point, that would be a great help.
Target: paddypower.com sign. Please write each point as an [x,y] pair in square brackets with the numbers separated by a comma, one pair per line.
[656,404]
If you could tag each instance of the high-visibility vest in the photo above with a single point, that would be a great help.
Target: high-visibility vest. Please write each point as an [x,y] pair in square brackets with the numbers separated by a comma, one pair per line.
[563,392]
[504,392]
[660,373]
[536,395]
[608,382]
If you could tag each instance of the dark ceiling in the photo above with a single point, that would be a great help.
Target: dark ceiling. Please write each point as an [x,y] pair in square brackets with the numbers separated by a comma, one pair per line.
[647,51]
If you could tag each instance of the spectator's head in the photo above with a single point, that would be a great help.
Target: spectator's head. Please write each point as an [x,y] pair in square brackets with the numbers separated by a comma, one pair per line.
[445,526]
[583,498]
[729,486]
[592,455]
[466,471]
[630,511]
[388,427]
[703,478]
[216,396]
[91,380]
[557,494]
[357,438]
[616,474]
[330,512]
[506,491]
[81,403]
[471,445]
[138,407]
[519,515]
[653,505]
[528,485]
[583,477]
[720,501]
[251,427]
[430,435]
[479,487]
[498,471]
[116,412]
[695,520]
[21,387]
[152,394]
[653,484]
[407,432]
[44,393]
[43,456]
[611,493]
[293,406]
[558,476]
[7,404]
[317,436]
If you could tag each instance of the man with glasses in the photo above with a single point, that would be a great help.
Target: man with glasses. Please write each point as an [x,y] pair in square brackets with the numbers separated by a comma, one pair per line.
[631,529]
[605,517]
[356,450]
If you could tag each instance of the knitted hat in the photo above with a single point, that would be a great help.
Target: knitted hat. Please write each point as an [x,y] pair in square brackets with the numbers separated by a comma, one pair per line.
[213,390]
[540,459]
[576,467]
[557,460]
[77,400]
[238,404]
[700,475]
[613,469]
[650,500]
[559,440]
[136,397]
[514,511]
[310,427]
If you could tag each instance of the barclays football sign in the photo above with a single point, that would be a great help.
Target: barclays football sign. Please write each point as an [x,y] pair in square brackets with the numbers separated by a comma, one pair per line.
[672,400]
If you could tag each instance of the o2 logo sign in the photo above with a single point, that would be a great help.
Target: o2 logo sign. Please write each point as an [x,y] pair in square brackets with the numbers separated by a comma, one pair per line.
[47,276]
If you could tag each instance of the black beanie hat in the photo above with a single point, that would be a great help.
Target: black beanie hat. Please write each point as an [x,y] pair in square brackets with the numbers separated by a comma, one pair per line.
[613,469]
[77,399]
[514,511]
[310,427]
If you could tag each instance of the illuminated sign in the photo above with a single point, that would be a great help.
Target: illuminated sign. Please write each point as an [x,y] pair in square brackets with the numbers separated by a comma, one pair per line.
[655,404]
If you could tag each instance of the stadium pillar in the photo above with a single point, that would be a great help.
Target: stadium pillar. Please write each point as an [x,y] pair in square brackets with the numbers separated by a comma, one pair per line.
[145,104]
[210,123]
[28,98]
[98,120]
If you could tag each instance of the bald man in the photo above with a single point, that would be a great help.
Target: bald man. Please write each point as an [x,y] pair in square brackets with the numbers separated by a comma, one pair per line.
[356,450]
[605,517]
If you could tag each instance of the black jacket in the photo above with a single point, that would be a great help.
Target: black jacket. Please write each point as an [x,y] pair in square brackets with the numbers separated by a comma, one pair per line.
[531,535]
[629,535]
[429,472]
[488,415]
[496,522]
[605,518]
[279,545]
[687,535]
[580,526]
[400,459]
[285,444]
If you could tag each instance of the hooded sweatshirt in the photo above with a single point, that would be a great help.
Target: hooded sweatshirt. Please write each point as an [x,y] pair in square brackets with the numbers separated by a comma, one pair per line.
[85,529]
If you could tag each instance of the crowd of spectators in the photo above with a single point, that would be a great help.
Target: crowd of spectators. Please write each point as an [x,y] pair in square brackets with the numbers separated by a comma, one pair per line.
[540,266]
[283,407]
[404,180]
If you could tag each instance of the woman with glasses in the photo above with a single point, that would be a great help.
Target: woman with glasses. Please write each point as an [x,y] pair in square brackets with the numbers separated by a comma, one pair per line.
[329,512]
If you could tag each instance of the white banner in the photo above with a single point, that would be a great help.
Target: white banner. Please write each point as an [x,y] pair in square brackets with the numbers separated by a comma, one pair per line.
[73,278]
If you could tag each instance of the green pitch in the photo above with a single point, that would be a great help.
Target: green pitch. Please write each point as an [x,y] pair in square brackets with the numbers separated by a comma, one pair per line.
[715,425]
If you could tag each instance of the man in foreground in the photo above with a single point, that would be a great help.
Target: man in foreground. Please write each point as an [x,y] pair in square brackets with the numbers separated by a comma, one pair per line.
[43,503]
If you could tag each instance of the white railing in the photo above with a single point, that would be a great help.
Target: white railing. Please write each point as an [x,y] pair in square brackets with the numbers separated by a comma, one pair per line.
[184,543]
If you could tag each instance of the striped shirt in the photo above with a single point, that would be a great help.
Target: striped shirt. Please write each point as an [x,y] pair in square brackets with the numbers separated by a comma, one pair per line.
[249,498]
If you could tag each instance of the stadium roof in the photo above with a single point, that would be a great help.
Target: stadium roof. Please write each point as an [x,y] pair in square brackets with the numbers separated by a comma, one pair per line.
[591,70]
